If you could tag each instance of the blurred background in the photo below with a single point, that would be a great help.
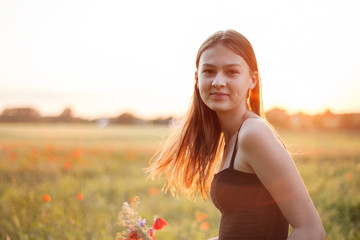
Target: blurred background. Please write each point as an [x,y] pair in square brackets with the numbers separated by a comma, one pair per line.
[88,89]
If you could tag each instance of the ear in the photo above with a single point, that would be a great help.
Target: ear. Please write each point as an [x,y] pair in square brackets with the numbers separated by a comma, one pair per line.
[254,79]
[196,79]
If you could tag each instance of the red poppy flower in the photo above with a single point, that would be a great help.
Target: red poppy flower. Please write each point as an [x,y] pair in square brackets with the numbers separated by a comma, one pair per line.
[348,176]
[159,224]
[67,165]
[80,197]
[46,198]
[152,234]
[133,236]
[153,191]
[201,216]
[205,226]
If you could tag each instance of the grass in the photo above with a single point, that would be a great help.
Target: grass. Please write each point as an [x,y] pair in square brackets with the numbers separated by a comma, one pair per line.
[105,166]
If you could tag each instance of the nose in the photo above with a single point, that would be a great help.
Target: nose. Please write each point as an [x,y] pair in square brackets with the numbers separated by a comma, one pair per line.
[218,81]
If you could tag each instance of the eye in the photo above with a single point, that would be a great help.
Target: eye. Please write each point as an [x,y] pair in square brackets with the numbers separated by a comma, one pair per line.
[232,72]
[208,71]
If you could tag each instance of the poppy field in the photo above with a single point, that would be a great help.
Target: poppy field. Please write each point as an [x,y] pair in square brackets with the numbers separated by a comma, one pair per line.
[69,181]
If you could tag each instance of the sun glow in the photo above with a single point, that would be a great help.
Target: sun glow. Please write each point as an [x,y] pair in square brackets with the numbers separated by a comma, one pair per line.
[103,58]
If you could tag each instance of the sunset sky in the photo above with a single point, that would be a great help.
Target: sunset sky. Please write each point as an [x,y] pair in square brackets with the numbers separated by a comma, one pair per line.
[102,58]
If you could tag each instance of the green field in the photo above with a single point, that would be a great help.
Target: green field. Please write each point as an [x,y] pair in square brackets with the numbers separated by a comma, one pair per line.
[89,172]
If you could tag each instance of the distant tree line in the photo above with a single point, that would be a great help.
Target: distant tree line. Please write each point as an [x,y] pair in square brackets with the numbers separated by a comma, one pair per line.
[279,118]
[327,120]
[31,115]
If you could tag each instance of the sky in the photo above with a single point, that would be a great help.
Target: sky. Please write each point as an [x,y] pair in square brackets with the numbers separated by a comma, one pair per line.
[103,58]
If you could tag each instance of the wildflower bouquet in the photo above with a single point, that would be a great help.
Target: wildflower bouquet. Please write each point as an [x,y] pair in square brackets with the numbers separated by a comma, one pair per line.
[135,225]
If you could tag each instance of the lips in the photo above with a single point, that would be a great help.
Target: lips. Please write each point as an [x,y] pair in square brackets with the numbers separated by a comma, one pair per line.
[219,95]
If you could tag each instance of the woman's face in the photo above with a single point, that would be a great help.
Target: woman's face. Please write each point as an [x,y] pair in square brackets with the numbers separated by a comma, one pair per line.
[223,79]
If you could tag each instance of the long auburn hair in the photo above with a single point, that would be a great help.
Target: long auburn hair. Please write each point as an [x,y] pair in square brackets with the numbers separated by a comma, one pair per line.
[192,151]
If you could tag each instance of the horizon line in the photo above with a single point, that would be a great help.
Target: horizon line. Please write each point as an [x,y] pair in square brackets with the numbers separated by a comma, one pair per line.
[171,115]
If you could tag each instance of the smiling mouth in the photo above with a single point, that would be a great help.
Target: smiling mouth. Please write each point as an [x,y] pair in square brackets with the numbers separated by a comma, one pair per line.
[219,95]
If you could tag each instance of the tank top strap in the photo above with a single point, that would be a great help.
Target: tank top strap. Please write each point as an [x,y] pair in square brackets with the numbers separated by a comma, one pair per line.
[234,150]
[236,144]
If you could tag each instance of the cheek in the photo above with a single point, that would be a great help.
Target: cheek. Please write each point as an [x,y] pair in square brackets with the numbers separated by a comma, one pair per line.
[201,88]
[203,83]
[201,93]
[200,85]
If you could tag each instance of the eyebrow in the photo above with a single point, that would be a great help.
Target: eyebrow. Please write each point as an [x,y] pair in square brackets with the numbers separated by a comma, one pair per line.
[227,65]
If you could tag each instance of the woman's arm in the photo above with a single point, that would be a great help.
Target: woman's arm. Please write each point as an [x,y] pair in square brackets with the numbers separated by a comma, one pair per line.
[215,238]
[264,152]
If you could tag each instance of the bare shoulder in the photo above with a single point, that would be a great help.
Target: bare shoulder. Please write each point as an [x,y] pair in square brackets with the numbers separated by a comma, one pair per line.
[257,131]
[261,147]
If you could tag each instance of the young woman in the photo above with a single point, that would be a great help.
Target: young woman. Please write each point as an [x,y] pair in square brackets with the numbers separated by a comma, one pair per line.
[225,144]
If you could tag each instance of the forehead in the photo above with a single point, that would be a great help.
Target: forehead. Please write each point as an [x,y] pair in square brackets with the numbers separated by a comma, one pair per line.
[220,55]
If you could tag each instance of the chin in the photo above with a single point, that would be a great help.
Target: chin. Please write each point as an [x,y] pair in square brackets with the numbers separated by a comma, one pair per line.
[218,108]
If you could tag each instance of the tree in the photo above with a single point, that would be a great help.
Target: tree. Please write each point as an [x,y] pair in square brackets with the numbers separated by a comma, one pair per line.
[126,118]
[24,114]
[67,113]
[278,118]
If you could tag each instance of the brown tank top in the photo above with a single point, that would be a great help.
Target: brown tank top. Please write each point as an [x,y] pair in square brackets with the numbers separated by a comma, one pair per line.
[248,211]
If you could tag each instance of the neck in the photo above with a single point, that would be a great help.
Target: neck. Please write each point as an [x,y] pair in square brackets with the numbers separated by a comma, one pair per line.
[230,121]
